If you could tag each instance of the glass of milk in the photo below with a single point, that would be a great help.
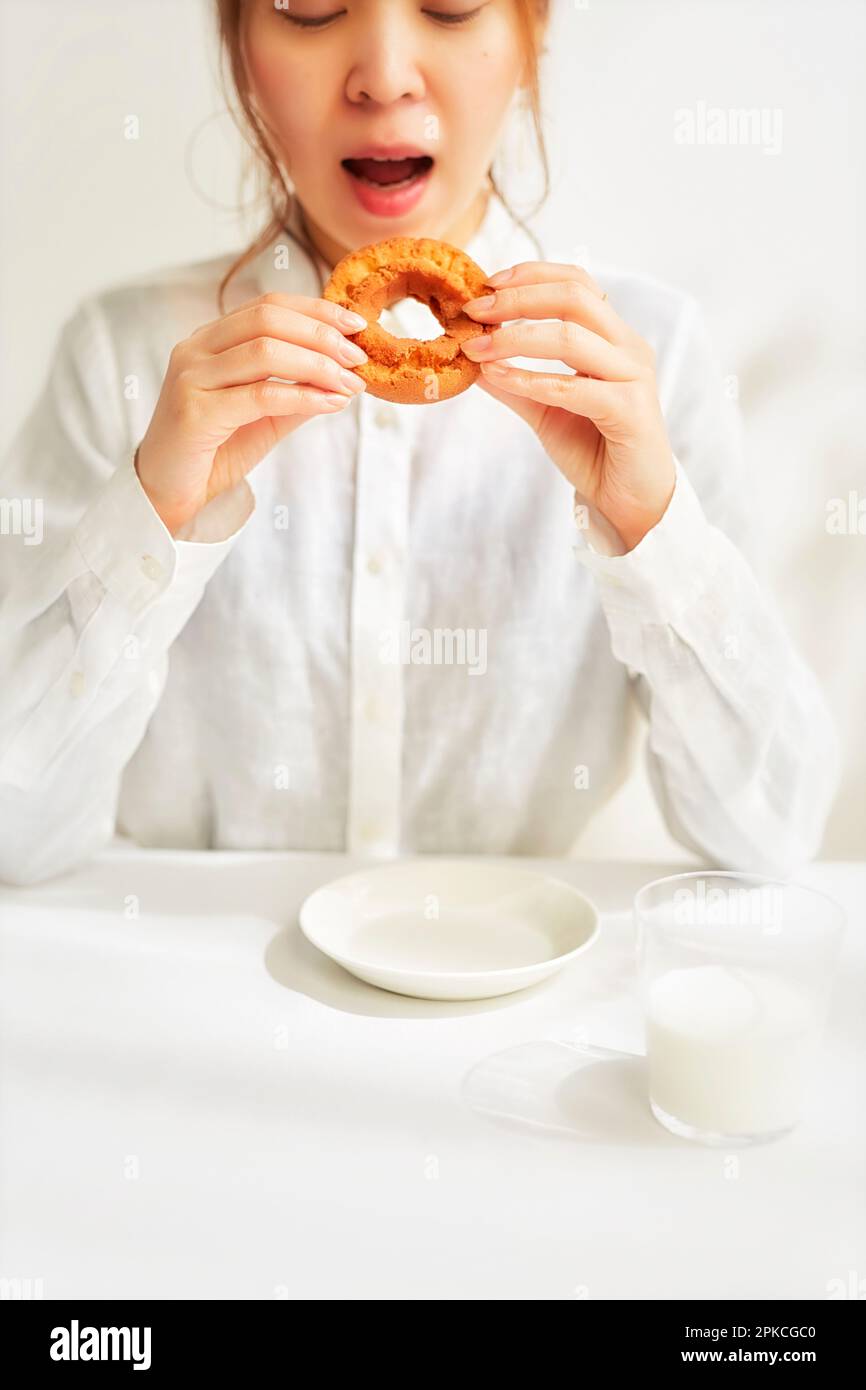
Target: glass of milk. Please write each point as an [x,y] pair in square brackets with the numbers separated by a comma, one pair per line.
[736,971]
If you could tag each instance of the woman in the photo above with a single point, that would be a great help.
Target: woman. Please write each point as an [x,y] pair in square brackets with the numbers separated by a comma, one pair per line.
[272,612]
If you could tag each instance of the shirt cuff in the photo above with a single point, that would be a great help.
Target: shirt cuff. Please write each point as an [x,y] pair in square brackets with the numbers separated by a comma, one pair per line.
[666,571]
[124,541]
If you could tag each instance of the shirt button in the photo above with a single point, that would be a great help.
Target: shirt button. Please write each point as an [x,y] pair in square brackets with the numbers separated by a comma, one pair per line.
[385,417]
[76,684]
[374,564]
[151,567]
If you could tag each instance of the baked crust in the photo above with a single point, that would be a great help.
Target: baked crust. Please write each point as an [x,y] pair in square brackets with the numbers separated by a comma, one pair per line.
[411,371]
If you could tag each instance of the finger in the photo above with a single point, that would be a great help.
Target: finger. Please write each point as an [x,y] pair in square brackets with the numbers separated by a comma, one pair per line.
[570,343]
[264,319]
[264,357]
[539,272]
[324,309]
[580,395]
[240,405]
[562,299]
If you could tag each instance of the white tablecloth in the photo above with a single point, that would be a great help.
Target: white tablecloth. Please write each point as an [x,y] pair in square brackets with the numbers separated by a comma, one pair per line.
[196,1104]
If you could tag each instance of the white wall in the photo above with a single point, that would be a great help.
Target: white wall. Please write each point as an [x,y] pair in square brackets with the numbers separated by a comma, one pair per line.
[772,243]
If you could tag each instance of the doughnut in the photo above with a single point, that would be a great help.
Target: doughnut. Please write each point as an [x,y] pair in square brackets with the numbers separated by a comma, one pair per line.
[411,371]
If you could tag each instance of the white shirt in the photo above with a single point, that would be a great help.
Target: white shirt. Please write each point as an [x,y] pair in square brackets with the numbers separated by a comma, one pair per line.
[278,676]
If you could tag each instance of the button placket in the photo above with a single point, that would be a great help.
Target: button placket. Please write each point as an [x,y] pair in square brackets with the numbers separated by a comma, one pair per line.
[378,585]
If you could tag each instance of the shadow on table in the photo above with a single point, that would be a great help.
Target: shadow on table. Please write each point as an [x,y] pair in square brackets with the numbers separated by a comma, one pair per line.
[591,1094]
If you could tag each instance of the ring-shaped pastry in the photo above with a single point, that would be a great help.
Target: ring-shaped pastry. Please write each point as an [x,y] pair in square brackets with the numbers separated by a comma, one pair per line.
[411,371]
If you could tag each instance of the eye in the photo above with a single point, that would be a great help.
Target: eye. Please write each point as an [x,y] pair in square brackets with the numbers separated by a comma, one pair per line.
[301,23]
[453,18]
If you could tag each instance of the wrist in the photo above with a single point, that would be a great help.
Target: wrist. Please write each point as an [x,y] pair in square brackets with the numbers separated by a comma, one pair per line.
[171,516]
[633,529]
[634,518]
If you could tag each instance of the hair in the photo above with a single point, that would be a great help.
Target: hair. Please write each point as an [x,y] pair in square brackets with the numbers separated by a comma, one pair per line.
[532,16]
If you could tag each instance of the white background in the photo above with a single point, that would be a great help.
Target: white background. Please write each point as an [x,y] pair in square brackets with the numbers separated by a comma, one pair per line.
[772,244]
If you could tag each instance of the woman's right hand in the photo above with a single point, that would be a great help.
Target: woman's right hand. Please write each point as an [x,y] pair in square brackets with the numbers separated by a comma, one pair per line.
[218,415]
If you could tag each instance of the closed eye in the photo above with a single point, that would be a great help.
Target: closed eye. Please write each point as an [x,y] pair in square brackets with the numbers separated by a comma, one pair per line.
[301,23]
[442,18]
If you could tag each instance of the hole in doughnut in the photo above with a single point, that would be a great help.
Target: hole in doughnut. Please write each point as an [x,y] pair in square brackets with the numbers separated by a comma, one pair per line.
[429,326]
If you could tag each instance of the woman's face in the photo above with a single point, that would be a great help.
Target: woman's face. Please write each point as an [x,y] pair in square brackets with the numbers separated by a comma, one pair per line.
[426,86]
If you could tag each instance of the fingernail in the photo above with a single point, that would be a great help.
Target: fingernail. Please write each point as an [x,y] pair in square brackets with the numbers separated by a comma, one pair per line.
[332,399]
[500,277]
[354,322]
[494,369]
[351,354]
[478,347]
[477,306]
[350,381]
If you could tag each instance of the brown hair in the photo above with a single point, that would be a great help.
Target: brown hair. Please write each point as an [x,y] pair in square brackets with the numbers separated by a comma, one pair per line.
[532,15]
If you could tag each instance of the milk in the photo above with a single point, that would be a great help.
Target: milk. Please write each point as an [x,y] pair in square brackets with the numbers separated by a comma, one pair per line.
[728,1049]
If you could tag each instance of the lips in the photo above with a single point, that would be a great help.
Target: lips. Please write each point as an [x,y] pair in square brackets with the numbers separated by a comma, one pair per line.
[388,181]
[382,172]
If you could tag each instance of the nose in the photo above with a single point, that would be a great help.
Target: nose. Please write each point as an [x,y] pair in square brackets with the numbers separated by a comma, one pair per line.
[385,67]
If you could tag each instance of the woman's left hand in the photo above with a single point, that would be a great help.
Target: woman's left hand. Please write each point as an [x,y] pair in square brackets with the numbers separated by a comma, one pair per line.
[602,426]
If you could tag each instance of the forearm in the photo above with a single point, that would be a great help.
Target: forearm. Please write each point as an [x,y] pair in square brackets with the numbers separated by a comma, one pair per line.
[743,752]
[85,631]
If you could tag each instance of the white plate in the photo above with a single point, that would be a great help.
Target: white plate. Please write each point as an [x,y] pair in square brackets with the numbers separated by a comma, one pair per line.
[449,928]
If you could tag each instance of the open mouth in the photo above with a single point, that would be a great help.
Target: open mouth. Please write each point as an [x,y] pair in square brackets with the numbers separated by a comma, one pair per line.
[388,173]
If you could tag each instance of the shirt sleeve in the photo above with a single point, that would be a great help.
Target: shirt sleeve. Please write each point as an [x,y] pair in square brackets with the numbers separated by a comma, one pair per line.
[93,591]
[743,754]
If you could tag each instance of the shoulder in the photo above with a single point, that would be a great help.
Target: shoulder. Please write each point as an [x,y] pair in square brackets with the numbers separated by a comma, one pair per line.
[114,343]
[129,327]
[173,300]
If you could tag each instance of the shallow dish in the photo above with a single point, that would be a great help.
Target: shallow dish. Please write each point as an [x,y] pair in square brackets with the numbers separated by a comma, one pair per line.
[449,928]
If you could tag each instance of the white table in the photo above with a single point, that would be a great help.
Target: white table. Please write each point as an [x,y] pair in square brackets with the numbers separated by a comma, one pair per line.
[196,1104]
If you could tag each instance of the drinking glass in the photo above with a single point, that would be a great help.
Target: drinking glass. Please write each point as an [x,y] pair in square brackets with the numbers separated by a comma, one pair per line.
[735,973]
